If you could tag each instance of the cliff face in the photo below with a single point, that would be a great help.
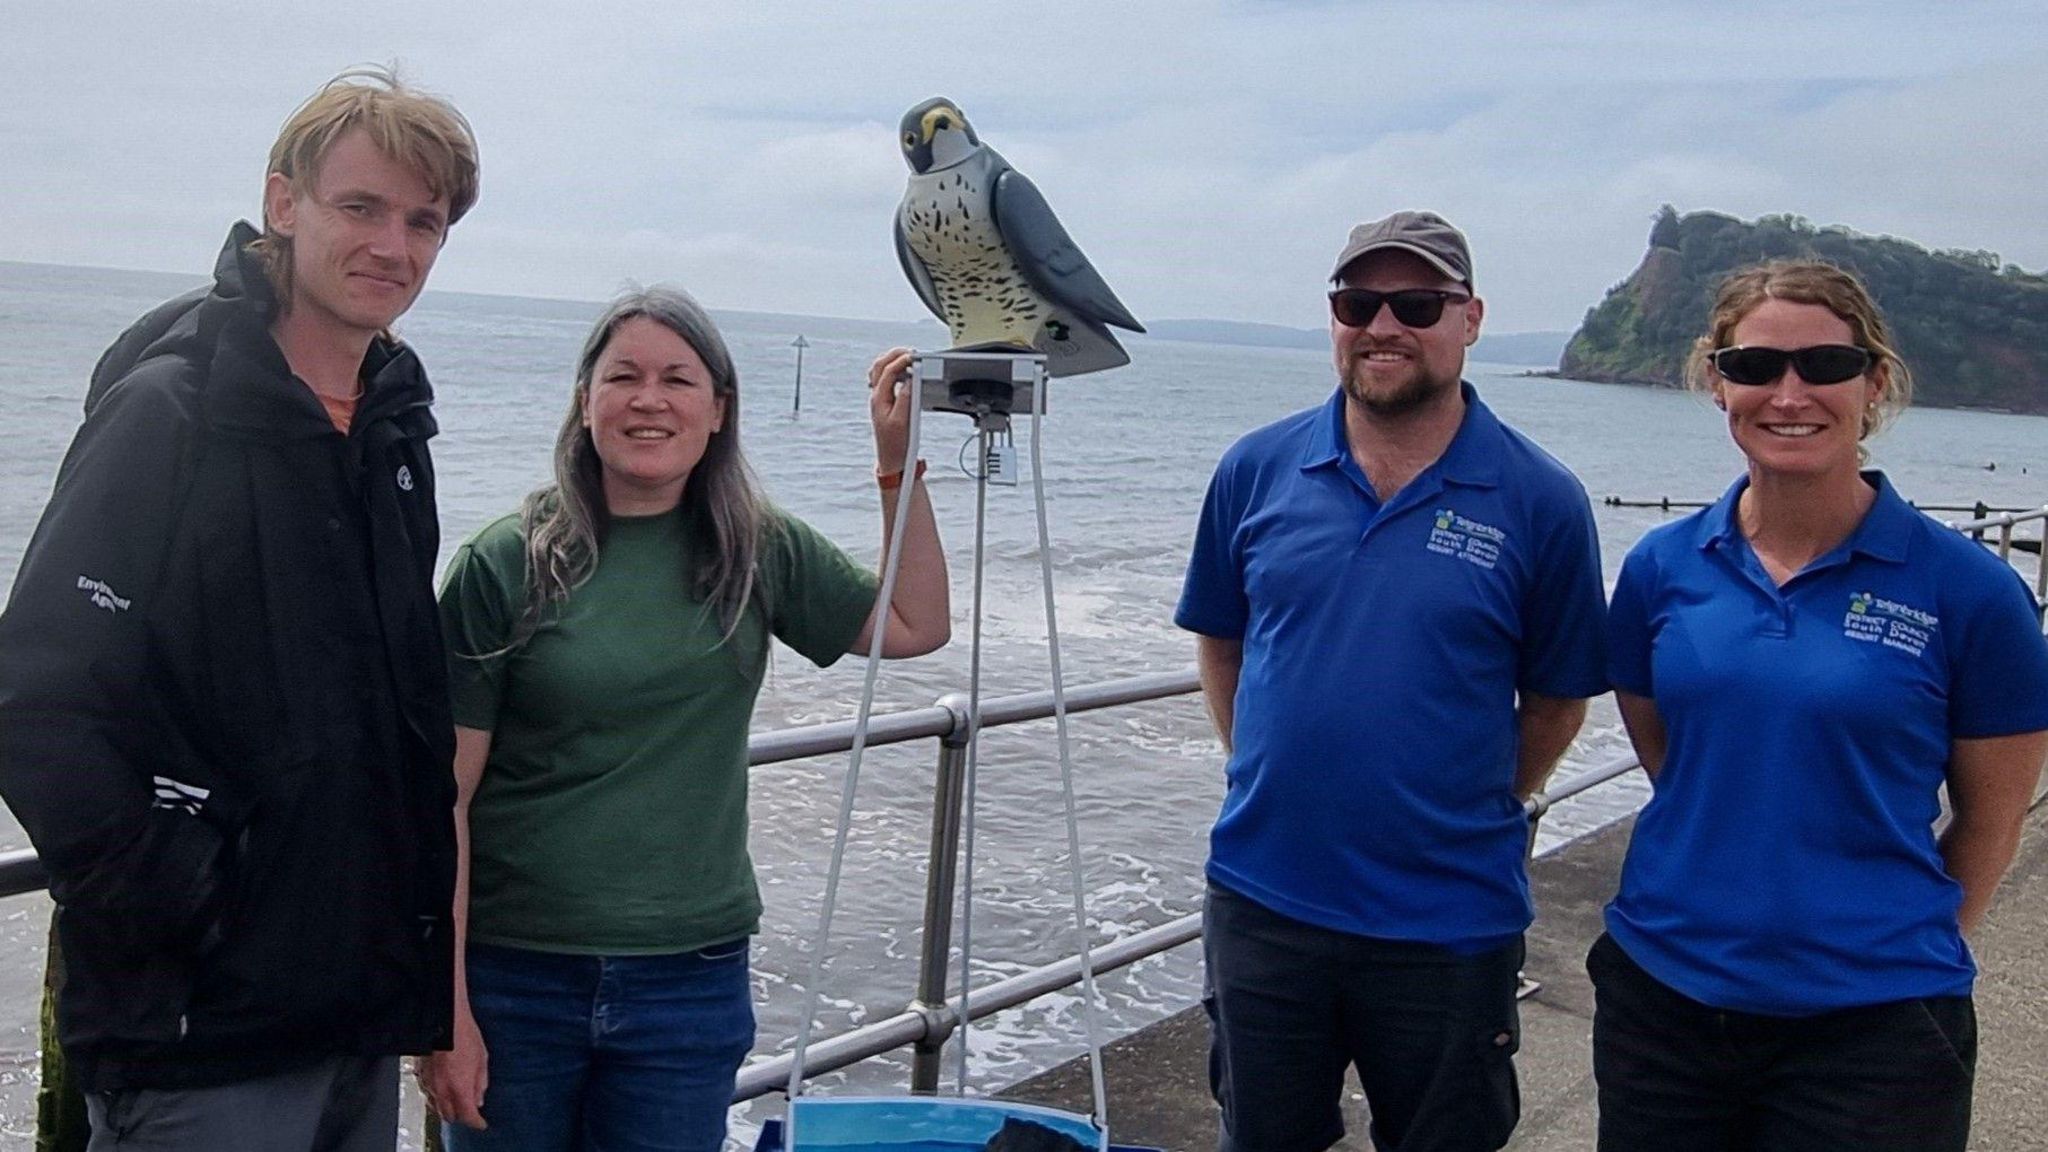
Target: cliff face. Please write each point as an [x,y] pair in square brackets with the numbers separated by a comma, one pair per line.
[1024,1136]
[1974,334]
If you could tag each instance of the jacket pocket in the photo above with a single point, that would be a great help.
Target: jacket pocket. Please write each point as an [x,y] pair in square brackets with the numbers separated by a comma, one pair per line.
[292,947]
[1950,1027]
[121,1111]
[114,996]
[1496,1092]
[161,890]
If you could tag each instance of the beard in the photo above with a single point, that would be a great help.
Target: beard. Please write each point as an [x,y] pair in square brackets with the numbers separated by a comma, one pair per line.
[1415,391]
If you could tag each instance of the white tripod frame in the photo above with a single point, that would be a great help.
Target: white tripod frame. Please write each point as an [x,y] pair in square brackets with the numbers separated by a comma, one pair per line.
[989,387]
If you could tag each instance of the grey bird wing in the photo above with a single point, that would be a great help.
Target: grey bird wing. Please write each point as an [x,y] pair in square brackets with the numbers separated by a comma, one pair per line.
[1048,257]
[914,269]
[1074,346]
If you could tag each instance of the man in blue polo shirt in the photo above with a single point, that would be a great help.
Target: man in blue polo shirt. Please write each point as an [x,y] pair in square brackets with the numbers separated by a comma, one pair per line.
[1399,616]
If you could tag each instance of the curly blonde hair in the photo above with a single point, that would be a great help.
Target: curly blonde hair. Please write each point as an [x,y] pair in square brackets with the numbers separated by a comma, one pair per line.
[1808,282]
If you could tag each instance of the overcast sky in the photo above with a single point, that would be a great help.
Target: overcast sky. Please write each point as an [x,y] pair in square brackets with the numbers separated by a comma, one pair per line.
[1208,155]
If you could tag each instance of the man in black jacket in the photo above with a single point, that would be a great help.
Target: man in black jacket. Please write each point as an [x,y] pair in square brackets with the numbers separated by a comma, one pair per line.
[223,704]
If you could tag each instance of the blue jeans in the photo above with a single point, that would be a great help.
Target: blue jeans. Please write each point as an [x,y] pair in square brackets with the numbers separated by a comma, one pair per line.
[608,1053]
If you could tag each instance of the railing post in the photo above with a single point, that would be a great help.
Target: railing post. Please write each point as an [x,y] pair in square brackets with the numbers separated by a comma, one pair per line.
[61,1124]
[941,878]
[1524,986]
[2041,570]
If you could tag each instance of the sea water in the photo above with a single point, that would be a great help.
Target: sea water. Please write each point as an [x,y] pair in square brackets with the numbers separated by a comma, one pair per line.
[1127,455]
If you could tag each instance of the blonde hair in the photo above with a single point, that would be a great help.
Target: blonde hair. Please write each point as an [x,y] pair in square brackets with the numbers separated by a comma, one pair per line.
[1808,282]
[423,132]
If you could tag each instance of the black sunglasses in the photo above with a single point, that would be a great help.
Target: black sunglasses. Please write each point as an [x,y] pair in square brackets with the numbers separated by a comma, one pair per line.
[1415,307]
[1819,364]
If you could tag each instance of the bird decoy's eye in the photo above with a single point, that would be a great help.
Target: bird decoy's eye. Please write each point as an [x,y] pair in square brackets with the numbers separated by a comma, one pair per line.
[910,139]
[943,123]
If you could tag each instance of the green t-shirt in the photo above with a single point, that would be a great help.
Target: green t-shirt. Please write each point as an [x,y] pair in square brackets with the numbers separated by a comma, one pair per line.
[611,818]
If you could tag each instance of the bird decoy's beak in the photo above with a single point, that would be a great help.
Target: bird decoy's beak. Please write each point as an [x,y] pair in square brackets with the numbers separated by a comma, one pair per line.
[939,120]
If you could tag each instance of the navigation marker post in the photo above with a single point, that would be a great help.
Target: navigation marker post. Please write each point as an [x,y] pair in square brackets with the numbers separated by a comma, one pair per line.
[796,401]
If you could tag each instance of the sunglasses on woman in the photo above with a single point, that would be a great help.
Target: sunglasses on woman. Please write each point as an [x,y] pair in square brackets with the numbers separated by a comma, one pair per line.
[1414,307]
[1819,364]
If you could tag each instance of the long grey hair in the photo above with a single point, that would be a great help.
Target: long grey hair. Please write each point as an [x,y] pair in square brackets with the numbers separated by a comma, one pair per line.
[564,523]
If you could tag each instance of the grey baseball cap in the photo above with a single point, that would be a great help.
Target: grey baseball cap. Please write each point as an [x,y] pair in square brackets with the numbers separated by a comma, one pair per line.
[1426,234]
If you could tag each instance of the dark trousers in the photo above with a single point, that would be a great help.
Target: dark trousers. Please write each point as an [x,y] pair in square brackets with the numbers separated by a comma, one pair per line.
[1676,1075]
[341,1104]
[1431,1032]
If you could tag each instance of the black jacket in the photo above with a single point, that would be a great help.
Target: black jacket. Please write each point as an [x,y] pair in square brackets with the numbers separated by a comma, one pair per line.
[224,711]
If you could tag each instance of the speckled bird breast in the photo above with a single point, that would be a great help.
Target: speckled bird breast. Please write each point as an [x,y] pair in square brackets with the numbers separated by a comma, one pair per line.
[984,297]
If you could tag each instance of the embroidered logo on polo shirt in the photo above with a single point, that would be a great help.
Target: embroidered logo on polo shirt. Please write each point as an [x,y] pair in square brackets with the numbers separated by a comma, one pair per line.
[1465,538]
[404,478]
[1876,620]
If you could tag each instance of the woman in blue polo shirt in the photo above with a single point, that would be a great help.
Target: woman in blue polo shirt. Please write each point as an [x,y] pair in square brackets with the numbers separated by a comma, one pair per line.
[1802,667]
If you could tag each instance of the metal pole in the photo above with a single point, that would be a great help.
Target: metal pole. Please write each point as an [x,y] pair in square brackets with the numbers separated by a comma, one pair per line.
[941,867]
[905,1027]
[796,401]
[2041,568]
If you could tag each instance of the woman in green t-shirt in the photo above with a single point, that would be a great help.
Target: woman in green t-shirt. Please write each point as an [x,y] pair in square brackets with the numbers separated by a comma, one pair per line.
[607,642]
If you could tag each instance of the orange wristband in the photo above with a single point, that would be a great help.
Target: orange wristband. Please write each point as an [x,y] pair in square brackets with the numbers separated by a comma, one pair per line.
[891,481]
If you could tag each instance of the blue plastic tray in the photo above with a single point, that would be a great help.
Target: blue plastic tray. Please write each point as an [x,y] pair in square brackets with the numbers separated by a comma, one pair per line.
[875,1138]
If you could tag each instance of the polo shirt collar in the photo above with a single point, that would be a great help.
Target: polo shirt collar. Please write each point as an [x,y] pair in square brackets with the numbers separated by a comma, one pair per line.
[1885,534]
[1473,456]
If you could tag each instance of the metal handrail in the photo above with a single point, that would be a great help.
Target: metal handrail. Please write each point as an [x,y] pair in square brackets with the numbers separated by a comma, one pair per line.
[2005,523]
[2004,519]
[1540,802]
[930,1025]
[932,1018]
[1667,504]
[21,872]
[947,717]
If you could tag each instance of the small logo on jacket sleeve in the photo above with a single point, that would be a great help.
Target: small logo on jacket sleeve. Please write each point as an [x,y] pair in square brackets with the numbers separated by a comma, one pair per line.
[173,794]
[404,478]
[102,595]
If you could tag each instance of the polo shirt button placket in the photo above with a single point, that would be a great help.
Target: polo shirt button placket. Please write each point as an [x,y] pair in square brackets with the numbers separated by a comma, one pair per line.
[1777,614]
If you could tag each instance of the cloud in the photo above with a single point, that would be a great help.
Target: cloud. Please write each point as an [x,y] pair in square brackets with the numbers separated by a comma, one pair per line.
[1208,155]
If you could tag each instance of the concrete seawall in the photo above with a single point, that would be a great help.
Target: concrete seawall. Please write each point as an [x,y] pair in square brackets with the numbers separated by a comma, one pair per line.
[1158,1077]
